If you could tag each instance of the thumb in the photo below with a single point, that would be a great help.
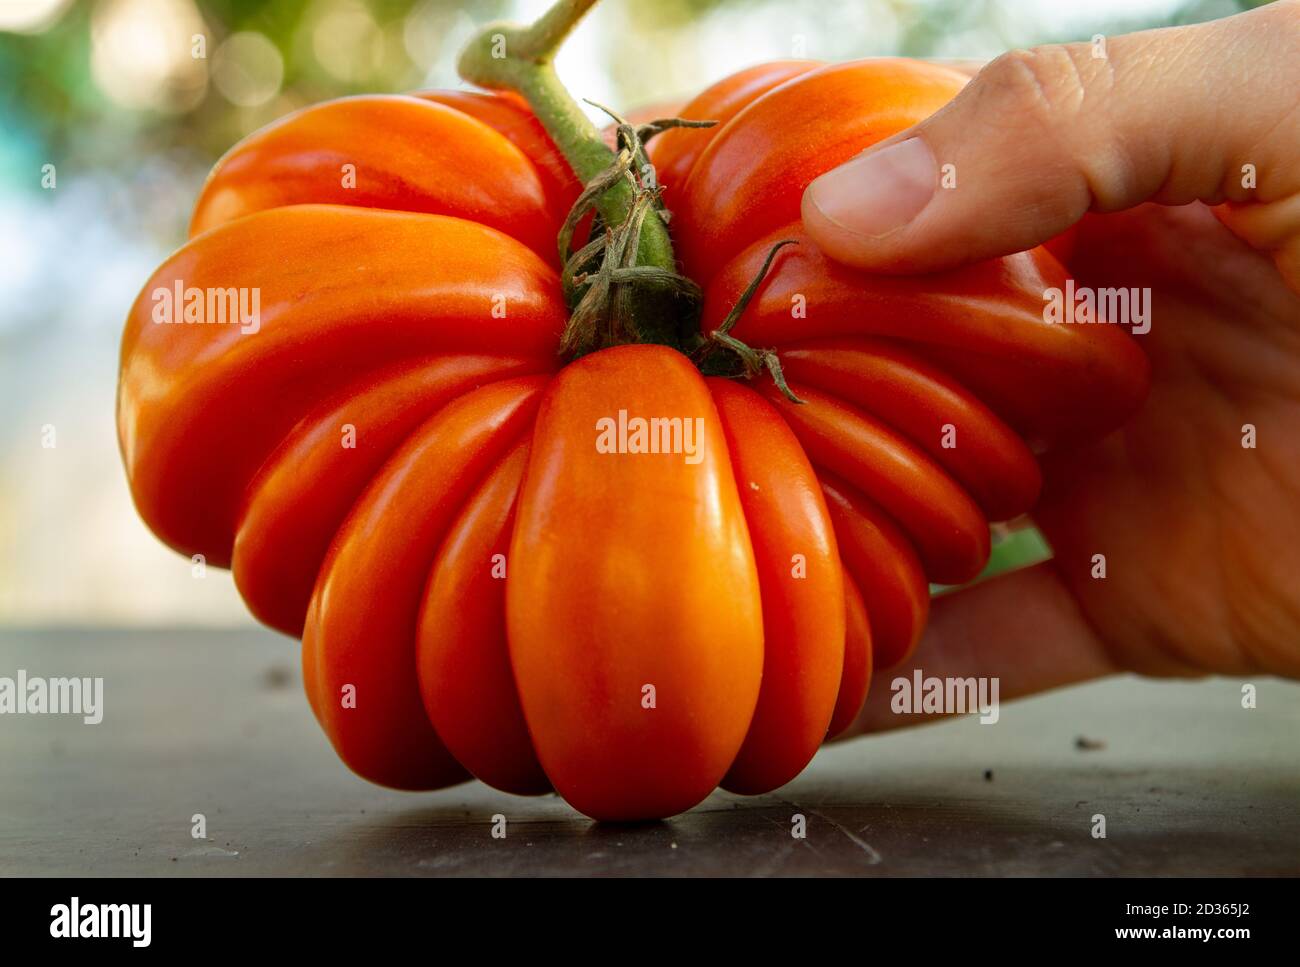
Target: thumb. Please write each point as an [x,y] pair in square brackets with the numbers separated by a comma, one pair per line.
[1042,136]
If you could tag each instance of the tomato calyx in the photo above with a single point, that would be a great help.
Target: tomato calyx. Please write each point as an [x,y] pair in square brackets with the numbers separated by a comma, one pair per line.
[710,356]
[611,296]
[622,286]
[601,278]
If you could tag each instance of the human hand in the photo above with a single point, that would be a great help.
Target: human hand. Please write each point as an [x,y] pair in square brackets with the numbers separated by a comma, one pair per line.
[1200,533]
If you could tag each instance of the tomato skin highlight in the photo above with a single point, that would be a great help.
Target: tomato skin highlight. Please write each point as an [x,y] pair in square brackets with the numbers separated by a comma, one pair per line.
[675,151]
[398,147]
[509,115]
[802,589]
[660,592]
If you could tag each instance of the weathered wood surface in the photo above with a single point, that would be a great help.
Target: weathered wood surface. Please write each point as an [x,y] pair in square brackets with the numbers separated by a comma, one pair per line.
[214,722]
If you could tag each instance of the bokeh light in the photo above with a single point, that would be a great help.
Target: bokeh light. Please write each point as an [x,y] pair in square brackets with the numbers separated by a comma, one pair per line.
[346,40]
[31,16]
[247,69]
[143,53]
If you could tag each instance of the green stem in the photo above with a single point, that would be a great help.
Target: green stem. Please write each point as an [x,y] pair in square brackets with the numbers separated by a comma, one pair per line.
[520,59]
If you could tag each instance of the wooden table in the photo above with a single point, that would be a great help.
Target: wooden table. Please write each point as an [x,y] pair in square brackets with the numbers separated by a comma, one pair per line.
[215,722]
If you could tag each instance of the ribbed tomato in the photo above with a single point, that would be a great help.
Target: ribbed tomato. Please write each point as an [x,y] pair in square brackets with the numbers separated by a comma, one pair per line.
[400,468]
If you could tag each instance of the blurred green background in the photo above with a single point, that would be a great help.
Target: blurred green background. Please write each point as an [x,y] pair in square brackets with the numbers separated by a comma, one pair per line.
[131,101]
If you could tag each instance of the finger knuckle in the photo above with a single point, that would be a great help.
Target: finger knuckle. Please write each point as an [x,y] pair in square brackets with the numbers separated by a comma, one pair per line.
[1060,93]
[1043,83]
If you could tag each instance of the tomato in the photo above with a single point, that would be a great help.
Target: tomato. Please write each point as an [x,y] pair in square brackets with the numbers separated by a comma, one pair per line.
[611,576]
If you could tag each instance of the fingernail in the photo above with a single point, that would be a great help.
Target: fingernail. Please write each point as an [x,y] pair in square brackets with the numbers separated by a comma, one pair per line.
[878,193]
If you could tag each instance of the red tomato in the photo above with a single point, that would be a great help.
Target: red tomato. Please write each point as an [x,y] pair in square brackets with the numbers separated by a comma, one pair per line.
[494,571]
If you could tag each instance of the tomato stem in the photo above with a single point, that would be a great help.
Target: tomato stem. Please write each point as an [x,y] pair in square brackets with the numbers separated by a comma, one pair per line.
[519,58]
